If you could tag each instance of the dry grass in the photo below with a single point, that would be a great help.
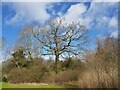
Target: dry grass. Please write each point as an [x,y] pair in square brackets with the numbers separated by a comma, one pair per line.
[94,79]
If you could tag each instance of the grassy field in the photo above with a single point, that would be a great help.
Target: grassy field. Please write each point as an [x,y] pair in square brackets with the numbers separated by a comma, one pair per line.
[33,85]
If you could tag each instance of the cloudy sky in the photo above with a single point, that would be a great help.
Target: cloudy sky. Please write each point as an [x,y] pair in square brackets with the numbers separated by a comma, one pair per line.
[99,17]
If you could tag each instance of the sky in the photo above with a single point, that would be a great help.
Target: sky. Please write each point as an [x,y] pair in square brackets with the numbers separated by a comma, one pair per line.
[99,18]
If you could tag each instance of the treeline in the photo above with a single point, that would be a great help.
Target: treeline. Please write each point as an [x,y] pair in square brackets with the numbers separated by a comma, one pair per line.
[99,69]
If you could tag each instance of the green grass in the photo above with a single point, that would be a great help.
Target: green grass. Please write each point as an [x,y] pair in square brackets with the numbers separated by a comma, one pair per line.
[25,85]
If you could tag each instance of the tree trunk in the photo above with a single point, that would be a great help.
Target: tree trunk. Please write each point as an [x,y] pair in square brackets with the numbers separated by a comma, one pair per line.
[57,64]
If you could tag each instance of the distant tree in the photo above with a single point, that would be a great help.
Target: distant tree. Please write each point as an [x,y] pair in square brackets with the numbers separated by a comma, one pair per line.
[60,38]
[27,43]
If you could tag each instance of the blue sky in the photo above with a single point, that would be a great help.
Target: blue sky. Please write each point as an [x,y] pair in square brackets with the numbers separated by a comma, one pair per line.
[98,17]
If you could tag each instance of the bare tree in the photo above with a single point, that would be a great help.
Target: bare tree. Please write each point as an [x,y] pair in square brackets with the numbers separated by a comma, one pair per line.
[27,43]
[60,38]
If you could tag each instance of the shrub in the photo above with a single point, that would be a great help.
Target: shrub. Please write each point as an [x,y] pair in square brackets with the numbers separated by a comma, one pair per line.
[4,78]
[36,71]
[63,77]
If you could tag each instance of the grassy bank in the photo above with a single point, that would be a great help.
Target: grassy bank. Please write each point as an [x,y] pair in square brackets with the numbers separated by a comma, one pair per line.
[33,85]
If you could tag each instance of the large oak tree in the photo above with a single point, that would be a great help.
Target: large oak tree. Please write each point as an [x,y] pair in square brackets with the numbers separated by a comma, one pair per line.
[59,38]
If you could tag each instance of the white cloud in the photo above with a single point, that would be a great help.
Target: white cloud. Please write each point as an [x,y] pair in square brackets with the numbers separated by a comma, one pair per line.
[75,11]
[97,16]
[113,22]
[99,13]
[26,12]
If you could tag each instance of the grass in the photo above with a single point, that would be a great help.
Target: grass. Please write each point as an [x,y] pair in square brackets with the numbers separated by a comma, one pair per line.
[25,85]
[33,85]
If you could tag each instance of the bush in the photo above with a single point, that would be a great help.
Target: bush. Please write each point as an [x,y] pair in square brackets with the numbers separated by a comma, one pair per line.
[36,71]
[96,79]
[63,77]
[5,78]
[70,63]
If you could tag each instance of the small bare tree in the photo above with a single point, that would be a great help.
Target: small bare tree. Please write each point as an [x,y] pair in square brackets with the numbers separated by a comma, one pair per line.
[60,38]
[27,43]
